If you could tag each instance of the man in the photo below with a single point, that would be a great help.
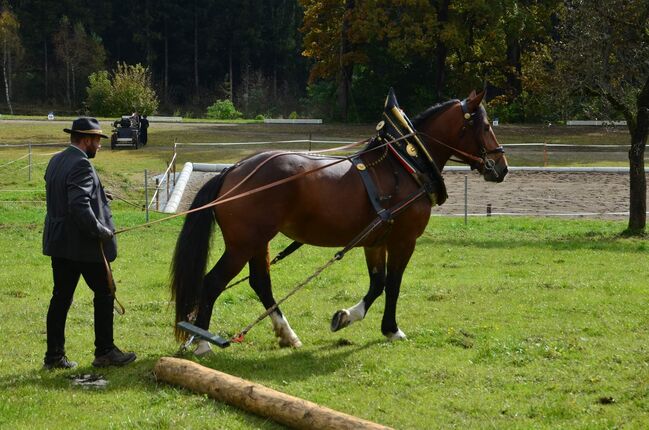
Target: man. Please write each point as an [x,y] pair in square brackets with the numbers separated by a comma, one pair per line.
[144,125]
[78,233]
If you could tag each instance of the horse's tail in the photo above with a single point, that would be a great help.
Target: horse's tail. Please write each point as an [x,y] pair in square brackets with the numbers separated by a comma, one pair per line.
[191,254]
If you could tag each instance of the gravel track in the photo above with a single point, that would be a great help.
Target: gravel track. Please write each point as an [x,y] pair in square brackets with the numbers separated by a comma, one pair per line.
[590,195]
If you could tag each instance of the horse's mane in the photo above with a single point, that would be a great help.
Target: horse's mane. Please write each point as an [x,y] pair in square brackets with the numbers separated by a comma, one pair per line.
[432,111]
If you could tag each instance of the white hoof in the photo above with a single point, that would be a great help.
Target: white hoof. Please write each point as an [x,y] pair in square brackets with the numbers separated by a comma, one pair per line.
[293,342]
[286,335]
[203,349]
[399,335]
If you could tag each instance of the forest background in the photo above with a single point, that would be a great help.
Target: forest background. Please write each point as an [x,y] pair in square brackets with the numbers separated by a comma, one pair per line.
[333,59]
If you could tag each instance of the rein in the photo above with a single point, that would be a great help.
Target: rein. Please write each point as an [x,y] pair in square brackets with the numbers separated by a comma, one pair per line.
[222,199]
[386,215]
[488,163]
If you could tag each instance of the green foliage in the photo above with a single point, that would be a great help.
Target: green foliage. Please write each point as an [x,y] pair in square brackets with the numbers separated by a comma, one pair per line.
[223,109]
[100,91]
[133,90]
[293,115]
[129,91]
[260,117]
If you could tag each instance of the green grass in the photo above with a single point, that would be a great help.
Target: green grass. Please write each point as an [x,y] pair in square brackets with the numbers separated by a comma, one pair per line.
[511,323]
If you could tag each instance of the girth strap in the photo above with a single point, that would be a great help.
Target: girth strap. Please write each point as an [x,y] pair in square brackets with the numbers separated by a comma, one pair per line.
[370,187]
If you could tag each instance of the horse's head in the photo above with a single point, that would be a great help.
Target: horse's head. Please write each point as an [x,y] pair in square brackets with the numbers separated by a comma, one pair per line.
[466,133]
[477,137]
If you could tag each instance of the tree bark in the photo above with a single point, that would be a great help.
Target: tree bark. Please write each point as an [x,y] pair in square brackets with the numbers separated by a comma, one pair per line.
[231,73]
[637,177]
[5,54]
[195,51]
[166,62]
[346,70]
[67,83]
[45,69]
[441,50]
[257,399]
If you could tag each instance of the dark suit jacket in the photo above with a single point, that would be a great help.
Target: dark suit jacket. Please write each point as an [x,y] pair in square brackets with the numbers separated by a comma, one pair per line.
[77,208]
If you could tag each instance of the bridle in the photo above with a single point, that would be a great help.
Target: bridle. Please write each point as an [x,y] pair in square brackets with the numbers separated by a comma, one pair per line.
[475,162]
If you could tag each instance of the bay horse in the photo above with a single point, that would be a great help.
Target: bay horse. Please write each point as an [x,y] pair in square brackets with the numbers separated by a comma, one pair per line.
[328,208]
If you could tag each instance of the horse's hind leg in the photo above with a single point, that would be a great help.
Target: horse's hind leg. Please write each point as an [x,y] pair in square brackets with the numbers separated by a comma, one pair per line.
[375,259]
[215,281]
[261,283]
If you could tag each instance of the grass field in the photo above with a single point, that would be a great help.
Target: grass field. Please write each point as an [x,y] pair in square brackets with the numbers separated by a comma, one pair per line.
[525,323]
[511,323]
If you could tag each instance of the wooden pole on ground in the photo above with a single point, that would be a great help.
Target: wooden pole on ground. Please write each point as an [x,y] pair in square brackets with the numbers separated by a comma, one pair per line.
[257,399]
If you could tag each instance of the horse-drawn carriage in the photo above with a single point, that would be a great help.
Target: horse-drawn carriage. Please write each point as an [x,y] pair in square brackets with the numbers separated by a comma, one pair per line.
[126,132]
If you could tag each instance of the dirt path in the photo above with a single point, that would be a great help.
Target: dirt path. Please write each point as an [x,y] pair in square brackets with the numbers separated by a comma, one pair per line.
[597,195]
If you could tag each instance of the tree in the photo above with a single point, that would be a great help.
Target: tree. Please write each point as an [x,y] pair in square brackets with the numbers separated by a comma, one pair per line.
[82,53]
[100,91]
[129,91]
[603,51]
[11,49]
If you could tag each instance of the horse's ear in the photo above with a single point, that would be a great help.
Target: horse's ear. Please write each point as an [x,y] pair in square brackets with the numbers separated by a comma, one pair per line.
[480,96]
[474,99]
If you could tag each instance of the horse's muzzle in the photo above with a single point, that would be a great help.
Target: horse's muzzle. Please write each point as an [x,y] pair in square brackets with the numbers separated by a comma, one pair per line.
[496,172]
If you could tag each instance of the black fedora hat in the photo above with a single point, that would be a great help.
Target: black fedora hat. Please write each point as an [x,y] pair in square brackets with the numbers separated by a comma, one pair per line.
[86,125]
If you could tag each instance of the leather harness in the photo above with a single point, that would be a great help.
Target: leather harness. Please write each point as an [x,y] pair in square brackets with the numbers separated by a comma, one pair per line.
[397,134]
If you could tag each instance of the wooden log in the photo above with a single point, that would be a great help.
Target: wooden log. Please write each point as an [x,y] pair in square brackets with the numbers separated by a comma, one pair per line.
[249,396]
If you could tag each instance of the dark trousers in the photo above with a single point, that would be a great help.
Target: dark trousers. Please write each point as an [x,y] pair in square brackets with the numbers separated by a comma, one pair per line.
[66,277]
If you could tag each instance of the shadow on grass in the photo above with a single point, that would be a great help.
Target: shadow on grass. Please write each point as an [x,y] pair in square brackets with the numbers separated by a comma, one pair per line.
[274,365]
[286,365]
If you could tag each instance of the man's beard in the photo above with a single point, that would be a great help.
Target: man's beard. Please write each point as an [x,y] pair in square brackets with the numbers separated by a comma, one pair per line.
[91,154]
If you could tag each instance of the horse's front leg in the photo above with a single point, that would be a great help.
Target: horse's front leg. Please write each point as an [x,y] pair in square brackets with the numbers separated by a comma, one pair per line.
[398,257]
[375,259]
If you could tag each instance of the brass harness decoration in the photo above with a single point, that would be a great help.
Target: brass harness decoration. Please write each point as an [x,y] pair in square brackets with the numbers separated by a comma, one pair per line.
[398,135]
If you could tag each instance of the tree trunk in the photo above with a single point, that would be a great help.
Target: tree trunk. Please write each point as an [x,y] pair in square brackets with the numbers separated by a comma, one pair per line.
[10,73]
[5,54]
[73,80]
[231,74]
[166,54]
[291,411]
[67,83]
[637,178]
[195,51]
[346,70]
[441,51]
[45,69]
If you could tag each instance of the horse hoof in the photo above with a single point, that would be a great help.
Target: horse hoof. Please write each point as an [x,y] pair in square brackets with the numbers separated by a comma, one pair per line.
[290,343]
[399,335]
[203,350]
[340,320]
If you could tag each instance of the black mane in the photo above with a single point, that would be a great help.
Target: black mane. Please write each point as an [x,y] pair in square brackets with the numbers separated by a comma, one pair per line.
[433,110]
